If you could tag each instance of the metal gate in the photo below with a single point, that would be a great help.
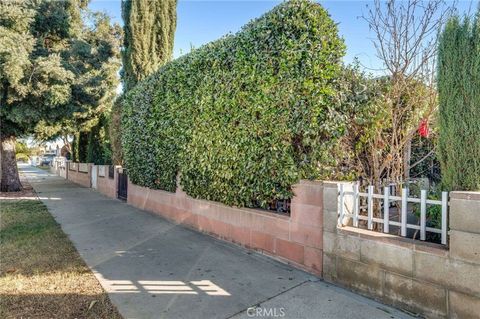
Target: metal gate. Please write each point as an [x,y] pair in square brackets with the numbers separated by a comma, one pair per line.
[122,184]
[94,176]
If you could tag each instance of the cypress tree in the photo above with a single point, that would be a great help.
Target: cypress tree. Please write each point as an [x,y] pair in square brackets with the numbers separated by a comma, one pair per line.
[94,146]
[149,29]
[80,147]
[459,99]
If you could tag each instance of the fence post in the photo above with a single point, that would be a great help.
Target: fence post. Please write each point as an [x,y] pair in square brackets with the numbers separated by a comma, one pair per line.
[423,214]
[386,207]
[342,206]
[67,168]
[444,217]
[356,204]
[404,212]
[370,207]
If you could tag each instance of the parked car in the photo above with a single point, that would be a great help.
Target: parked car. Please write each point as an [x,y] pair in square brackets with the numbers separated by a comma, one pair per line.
[47,159]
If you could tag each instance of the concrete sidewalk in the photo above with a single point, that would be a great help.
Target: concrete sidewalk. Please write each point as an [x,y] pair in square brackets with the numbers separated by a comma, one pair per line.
[152,268]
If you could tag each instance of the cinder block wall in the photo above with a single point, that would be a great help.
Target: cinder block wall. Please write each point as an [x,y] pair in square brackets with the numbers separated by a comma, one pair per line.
[296,239]
[59,170]
[62,172]
[106,185]
[81,178]
[429,279]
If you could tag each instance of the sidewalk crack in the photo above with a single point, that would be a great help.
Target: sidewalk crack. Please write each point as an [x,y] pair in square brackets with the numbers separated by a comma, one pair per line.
[270,298]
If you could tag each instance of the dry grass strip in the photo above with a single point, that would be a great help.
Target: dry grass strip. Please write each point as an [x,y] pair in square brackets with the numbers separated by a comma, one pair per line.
[41,273]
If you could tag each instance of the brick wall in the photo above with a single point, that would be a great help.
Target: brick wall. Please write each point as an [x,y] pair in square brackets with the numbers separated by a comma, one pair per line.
[59,168]
[296,239]
[429,279]
[81,178]
[106,185]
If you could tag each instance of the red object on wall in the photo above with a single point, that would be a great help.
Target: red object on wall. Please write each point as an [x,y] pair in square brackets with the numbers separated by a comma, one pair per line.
[423,129]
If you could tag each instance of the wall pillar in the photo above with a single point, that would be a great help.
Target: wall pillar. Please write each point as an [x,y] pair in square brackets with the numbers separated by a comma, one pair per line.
[465,246]
[67,165]
[306,222]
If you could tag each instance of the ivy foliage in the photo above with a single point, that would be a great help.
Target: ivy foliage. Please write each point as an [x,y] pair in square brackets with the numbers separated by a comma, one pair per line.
[243,118]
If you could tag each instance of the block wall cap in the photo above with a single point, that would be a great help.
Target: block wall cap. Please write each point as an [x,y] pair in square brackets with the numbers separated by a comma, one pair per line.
[465,195]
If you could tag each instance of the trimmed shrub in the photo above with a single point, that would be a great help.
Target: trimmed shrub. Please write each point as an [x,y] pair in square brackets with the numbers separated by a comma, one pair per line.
[459,98]
[242,118]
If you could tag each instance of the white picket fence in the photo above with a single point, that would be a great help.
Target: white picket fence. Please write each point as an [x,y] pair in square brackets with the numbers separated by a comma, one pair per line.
[346,210]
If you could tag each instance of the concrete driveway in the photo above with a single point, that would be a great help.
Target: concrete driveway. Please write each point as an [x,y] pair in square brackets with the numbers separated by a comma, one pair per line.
[152,268]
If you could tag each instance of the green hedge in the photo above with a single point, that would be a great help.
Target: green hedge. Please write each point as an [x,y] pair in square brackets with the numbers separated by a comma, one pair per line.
[242,118]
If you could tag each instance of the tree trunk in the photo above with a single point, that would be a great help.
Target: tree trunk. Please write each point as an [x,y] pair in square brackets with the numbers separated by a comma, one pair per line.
[406,160]
[10,181]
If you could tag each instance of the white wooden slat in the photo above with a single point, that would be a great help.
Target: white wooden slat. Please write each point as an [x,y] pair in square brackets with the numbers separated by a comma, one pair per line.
[386,208]
[342,205]
[410,199]
[423,214]
[428,201]
[394,197]
[370,207]
[356,205]
[434,230]
[403,231]
[411,226]
[444,217]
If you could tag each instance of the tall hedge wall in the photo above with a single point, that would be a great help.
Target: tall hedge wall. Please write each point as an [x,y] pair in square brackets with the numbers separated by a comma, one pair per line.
[459,98]
[242,118]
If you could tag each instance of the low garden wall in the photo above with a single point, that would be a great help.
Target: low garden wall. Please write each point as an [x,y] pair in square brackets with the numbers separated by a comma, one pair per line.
[107,184]
[59,167]
[296,239]
[433,280]
[79,173]
[62,171]
[429,279]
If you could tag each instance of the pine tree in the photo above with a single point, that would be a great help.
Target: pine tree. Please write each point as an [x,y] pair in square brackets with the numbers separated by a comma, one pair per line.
[459,99]
[96,150]
[149,27]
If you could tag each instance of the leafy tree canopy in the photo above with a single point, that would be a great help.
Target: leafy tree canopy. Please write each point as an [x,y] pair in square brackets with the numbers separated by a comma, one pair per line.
[58,70]
[59,65]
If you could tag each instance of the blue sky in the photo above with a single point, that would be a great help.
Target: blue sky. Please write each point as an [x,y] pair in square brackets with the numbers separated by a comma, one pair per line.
[199,22]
